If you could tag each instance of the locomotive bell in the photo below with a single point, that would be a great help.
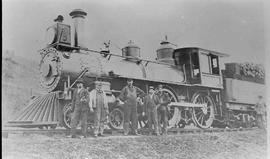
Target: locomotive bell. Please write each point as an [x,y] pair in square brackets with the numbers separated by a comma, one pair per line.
[131,51]
[78,16]
[165,52]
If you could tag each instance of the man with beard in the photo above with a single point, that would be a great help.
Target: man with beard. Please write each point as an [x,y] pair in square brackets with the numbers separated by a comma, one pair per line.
[80,108]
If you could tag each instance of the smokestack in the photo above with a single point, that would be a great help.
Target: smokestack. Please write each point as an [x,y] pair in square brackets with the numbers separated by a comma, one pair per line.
[78,16]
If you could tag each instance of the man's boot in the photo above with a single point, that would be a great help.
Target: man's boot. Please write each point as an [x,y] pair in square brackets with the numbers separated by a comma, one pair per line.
[101,134]
[126,127]
[136,132]
[165,132]
[157,133]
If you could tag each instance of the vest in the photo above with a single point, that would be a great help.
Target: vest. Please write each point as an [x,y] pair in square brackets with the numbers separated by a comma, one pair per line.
[131,96]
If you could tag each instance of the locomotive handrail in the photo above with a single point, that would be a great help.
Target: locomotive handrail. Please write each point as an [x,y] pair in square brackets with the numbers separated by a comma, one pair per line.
[111,54]
[185,74]
[81,74]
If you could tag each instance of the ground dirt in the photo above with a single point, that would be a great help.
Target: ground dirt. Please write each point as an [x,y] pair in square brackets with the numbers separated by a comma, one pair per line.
[221,145]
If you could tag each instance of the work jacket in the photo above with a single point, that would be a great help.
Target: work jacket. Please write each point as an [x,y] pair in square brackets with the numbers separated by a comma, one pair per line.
[80,99]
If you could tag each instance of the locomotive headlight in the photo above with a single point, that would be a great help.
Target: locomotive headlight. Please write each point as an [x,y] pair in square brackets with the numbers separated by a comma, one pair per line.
[50,35]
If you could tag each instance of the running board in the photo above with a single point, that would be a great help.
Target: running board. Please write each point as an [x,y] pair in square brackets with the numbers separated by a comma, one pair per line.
[186,104]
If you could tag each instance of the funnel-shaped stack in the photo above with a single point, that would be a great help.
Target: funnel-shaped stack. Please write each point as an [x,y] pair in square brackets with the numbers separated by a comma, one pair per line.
[78,16]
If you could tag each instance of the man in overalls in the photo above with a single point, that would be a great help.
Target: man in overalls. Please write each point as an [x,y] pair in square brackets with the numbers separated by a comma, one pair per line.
[98,103]
[129,96]
[80,108]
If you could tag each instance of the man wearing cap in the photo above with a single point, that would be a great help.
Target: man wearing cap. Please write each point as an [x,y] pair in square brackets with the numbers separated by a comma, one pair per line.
[260,108]
[151,104]
[80,108]
[163,109]
[59,19]
[129,96]
[98,103]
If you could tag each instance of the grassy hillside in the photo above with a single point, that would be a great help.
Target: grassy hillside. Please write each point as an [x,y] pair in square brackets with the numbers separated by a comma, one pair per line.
[19,83]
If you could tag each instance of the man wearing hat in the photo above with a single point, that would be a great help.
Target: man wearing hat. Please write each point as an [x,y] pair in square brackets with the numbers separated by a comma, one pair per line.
[163,109]
[151,104]
[80,108]
[98,103]
[129,96]
[59,19]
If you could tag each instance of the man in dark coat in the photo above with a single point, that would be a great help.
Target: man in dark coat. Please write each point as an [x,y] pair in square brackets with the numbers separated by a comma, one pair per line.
[129,96]
[151,104]
[80,108]
[163,109]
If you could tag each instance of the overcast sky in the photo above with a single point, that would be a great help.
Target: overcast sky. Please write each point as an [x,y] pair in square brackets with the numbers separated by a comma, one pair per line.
[227,26]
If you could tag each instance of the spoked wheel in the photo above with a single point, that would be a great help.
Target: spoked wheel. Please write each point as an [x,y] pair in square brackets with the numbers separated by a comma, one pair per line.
[173,111]
[116,119]
[67,115]
[203,117]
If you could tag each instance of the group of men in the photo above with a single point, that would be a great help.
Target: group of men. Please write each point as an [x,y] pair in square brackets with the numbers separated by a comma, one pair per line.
[155,107]
[82,103]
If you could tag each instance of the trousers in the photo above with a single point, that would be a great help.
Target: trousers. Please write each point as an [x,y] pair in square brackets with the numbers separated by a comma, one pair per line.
[99,120]
[152,120]
[130,114]
[78,114]
[163,118]
[260,121]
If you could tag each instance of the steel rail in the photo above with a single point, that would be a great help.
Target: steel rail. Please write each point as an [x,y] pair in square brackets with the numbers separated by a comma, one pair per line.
[172,131]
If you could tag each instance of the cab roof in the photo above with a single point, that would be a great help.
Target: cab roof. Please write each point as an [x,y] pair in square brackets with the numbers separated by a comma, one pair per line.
[205,50]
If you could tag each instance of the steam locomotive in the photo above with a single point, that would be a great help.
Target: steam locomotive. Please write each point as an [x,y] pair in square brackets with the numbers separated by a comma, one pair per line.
[201,94]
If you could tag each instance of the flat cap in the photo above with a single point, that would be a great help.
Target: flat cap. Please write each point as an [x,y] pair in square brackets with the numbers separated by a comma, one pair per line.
[80,80]
[151,87]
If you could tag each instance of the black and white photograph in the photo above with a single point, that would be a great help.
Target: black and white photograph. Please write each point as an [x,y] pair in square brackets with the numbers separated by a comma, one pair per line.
[135,79]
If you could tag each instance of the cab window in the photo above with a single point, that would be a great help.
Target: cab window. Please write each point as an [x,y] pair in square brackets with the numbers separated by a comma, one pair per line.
[195,64]
[214,64]
[205,63]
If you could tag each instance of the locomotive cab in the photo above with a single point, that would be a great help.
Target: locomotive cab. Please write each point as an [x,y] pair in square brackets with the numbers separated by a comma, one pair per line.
[200,66]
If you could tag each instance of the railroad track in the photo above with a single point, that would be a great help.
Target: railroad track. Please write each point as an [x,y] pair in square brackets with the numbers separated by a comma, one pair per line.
[172,131]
